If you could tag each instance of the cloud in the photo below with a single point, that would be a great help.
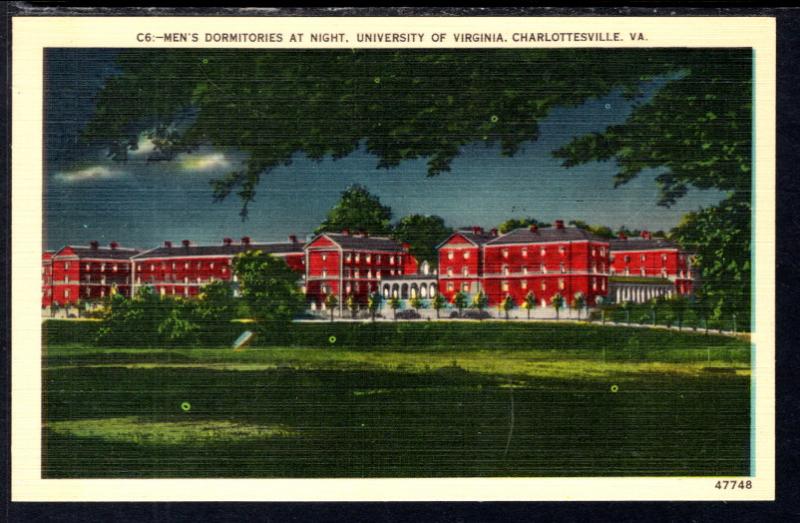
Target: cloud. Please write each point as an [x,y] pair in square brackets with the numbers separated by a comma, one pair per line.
[203,162]
[94,172]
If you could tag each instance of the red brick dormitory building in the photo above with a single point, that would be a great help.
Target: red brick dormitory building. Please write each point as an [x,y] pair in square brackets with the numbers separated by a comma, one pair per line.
[540,261]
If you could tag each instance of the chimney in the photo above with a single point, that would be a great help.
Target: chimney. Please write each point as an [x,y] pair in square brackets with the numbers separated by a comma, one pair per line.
[227,241]
[346,232]
[167,244]
[245,240]
[559,224]
[622,236]
[94,245]
[534,228]
[493,232]
[292,238]
[186,243]
[646,235]
[476,229]
[113,245]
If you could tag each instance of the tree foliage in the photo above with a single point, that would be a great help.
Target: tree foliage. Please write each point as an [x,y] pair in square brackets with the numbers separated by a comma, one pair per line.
[518,223]
[269,287]
[423,233]
[358,210]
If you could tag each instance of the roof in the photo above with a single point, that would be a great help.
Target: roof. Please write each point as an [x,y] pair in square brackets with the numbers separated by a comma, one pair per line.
[472,237]
[547,234]
[119,253]
[641,244]
[179,251]
[368,243]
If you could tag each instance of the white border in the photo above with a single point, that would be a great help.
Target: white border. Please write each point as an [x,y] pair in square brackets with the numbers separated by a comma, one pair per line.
[32,35]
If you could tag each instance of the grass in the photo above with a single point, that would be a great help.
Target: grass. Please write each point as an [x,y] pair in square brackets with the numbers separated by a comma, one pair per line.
[623,405]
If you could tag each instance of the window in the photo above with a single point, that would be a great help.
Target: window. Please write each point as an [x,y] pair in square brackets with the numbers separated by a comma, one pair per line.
[66,265]
[504,286]
[358,273]
[524,252]
[562,249]
[173,266]
[544,286]
[466,255]
[66,278]
[642,271]
[87,267]
[465,287]
[115,267]
[186,265]
[449,271]
[450,255]
[643,258]
[66,293]
[505,253]
[523,284]
[185,279]
[594,284]
[324,273]
[524,270]
[505,270]
[663,259]
[391,260]
[627,259]
[378,274]
[211,265]
[369,273]
[663,273]
[378,258]
[562,268]
[88,291]
[349,257]
[358,257]
[465,270]
[324,257]
[348,288]
[561,283]
[543,251]
[594,251]
[627,271]
[369,258]
[602,251]
[450,286]
[103,267]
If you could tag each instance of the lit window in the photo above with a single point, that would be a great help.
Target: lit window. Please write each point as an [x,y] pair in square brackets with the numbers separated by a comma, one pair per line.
[369,258]
[663,259]
[505,253]
[449,255]
[66,293]
[594,251]
[349,257]
[562,268]
[88,291]
[186,265]
[357,273]
[115,268]
[324,273]
[465,271]
[594,284]
[465,287]
[524,270]
[211,265]
[87,267]
[562,249]
[523,284]
[66,265]
[102,266]
[504,286]
[358,257]
[663,273]
[524,252]
[348,288]
[603,284]
[378,258]
[378,274]
[466,255]
[450,286]
[543,251]
[642,271]
[324,257]
[391,260]
[643,258]
[505,270]
[66,278]
[185,279]
[561,283]
[449,271]
[173,266]
[544,286]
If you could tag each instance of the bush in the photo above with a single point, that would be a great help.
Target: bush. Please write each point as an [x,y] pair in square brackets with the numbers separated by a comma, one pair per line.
[409,314]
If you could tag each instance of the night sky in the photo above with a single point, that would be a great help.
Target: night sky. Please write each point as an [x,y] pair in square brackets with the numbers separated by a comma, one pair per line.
[138,203]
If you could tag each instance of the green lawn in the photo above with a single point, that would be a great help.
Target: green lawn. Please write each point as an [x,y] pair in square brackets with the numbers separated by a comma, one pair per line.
[341,409]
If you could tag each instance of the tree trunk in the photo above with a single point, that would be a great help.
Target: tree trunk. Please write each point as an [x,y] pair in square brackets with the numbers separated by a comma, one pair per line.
[556,312]
[506,315]
[331,314]
[529,314]
[437,314]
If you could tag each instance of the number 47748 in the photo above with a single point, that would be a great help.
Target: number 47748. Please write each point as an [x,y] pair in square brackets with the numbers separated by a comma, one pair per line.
[725,484]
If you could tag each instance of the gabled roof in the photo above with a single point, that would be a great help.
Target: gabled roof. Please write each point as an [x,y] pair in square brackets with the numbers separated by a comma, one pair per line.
[642,244]
[118,253]
[367,243]
[476,239]
[547,234]
[179,251]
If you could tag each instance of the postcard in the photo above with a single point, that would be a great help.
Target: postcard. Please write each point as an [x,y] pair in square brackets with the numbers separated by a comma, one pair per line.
[393,258]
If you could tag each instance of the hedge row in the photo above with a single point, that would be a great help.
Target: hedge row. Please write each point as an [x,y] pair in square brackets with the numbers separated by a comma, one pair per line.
[422,335]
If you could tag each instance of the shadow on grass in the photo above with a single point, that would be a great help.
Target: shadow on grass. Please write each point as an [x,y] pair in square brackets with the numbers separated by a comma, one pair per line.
[390,424]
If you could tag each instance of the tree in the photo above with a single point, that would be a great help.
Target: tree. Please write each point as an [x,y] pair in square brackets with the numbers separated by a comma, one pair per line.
[460,301]
[438,303]
[423,233]
[416,303]
[351,302]
[518,223]
[394,304]
[358,211]
[678,304]
[269,287]
[506,305]
[216,303]
[600,301]
[374,303]
[598,230]
[480,301]
[579,302]
[626,307]
[331,302]
[557,301]
[529,303]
